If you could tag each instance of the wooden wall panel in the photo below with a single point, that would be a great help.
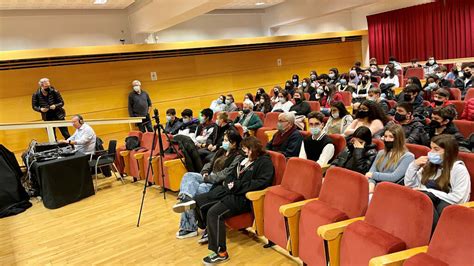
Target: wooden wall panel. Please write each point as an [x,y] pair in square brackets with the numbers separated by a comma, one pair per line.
[100,90]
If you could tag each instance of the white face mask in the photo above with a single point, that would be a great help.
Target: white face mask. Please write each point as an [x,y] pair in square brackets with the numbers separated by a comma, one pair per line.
[460,74]
[331,75]
[304,84]
[136,88]
[388,72]
[281,99]
[431,62]
[262,100]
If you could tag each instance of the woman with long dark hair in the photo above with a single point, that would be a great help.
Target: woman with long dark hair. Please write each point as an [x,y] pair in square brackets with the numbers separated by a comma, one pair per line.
[369,114]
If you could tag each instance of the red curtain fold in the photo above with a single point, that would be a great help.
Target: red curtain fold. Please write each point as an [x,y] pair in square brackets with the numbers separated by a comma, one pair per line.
[443,29]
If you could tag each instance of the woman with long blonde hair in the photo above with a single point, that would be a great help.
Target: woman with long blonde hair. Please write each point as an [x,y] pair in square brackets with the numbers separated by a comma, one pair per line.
[392,162]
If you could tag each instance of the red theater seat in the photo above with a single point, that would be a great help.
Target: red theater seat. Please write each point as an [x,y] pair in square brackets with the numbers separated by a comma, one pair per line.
[119,160]
[418,150]
[466,128]
[269,123]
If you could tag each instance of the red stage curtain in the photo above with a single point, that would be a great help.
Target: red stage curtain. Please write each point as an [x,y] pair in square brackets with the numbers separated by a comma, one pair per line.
[443,29]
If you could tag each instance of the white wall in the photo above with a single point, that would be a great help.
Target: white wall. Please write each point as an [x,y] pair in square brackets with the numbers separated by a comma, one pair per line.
[38,29]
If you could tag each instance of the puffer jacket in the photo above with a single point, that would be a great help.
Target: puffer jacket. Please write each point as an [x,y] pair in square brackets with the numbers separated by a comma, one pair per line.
[468,113]
[359,159]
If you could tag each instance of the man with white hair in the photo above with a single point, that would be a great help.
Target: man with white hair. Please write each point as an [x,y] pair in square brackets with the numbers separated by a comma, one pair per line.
[248,119]
[288,138]
[48,101]
[139,104]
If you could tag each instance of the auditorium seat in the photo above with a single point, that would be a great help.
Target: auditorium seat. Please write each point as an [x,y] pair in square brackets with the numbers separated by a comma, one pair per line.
[269,123]
[233,115]
[455,93]
[469,94]
[315,106]
[261,115]
[392,103]
[143,160]
[245,220]
[240,129]
[451,243]
[129,156]
[301,180]
[459,105]
[344,195]
[339,142]
[466,127]
[122,166]
[214,116]
[398,218]
[346,98]
[415,72]
[418,150]
[468,159]
[240,106]
[379,144]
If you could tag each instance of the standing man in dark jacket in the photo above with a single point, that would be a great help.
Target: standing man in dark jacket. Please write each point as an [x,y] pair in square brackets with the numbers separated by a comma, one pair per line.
[48,101]
[139,104]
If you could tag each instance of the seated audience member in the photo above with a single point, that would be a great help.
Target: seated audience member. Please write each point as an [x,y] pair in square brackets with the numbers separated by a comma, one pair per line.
[453,74]
[276,91]
[296,81]
[206,129]
[441,98]
[305,85]
[301,107]
[357,67]
[318,147]
[230,105]
[430,87]
[342,85]
[374,70]
[288,138]
[218,105]
[249,97]
[360,152]
[430,66]
[333,75]
[248,119]
[442,123]
[442,72]
[370,115]
[214,141]
[362,90]
[369,75]
[313,77]
[375,95]
[339,119]
[414,80]
[284,104]
[394,62]
[330,95]
[173,124]
[84,138]
[440,175]
[264,105]
[289,87]
[353,78]
[411,95]
[258,94]
[413,127]
[392,162]
[223,164]
[190,124]
[227,198]
[465,79]
[468,113]
[390,77]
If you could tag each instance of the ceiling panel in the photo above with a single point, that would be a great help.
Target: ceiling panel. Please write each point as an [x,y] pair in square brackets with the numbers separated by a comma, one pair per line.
[62,4]
[251,4]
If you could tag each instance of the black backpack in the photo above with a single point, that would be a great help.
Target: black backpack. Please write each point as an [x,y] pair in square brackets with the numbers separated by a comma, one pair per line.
[132,142]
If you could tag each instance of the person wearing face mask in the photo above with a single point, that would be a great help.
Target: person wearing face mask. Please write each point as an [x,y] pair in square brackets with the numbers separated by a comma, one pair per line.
[189,125]
[353,78]
[430,87]
[173,124]
[313,76]
[305,85]
[330,95]
[318,147]
[288,138]
[375,96]
[374,70]
[465,79]
[440,175]
[289,87]
[139,104]
[362,90]
[430,66]
[339,119]
[284,104]
[411,95]
[369,115]
[223,163]
[227,198]
[413,126]
[218,105]
[393,62]
[49,102]
[392,162]
[248,119]
[359,153]
[333,76]
[390,77]
[249,97]
[342,85]
[206,130]
[441,72]
[276,90]
[295,81]
[230,104]
[264,105]
[318,93]
[442,123]
[258,94]
[301,107]
[441,98]
[214,143]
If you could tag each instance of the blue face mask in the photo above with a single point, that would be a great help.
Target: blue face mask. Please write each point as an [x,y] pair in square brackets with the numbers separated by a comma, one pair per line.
[435,158]
[226,145]
[315,130]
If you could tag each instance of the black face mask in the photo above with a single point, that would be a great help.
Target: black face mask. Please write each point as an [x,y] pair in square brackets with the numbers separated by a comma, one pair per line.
[297,100]
[246,111]
[350,147]
[48,89]
[467,74]
[435,124]
[388,145]
[362,114]
[407,97]
[438,103]
[398,117]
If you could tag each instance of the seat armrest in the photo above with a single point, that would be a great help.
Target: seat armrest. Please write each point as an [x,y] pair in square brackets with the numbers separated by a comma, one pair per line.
[270,134]
[469,204]
[256,195]
[139,156]
[124,153]
[331,231]
[289,210]
[397,258]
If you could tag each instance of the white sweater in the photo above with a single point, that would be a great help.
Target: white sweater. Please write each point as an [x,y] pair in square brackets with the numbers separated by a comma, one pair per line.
[389,80]
[460,182]
[285,107]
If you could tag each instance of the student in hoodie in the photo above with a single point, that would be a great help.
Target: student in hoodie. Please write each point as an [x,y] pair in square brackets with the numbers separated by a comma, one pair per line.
[173,123]
[442,123]
[412,126]
[411,95]
[440,175]
[333,76]
[318,147]
[360,152]
[190,124]
[206,129]
[214,143]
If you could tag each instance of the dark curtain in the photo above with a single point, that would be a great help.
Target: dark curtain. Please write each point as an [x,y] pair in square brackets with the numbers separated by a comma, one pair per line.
[443,29]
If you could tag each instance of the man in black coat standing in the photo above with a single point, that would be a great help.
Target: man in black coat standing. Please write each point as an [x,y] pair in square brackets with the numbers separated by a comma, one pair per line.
[48,101]
[139,104]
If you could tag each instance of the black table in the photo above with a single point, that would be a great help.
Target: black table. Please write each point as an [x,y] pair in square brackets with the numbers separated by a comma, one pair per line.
[64,180]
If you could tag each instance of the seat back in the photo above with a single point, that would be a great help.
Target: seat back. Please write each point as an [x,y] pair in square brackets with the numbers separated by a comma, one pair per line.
[468,159]
[147,140]
[452,240]
[214,116]
[418,150]
[112,148]
[315,106]
[415,72]
[240,106]
[455,93]
[240,129]
[466,127]
[271,120]
[138,134]
[392,103]
[261,115]
[233,115]
[345,190]
[402,212]
[459,105]
[279,164]
[307,95]
[303,177]
[469,94]
[339,143]
[379,144]
[346,98]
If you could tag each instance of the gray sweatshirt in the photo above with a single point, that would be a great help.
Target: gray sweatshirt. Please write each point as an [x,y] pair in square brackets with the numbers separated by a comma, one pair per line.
[460,182]
[392,174]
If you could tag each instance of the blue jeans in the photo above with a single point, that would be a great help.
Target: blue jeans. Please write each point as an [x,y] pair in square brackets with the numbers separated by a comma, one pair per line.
[191,185]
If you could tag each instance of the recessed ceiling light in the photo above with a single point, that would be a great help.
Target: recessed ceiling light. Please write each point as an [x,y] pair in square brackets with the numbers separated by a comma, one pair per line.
[100,2]
[259,3]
